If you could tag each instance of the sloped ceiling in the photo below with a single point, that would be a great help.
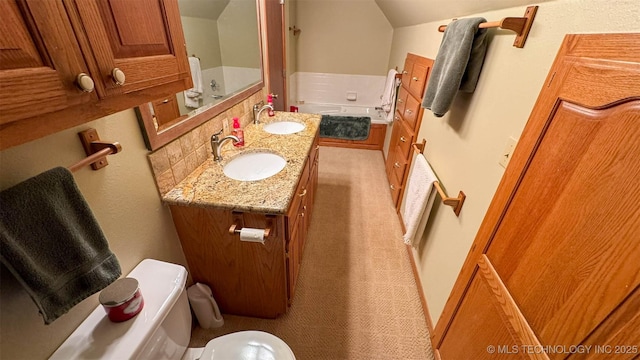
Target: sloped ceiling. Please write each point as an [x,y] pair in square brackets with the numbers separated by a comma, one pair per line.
[412,12]
[206,9]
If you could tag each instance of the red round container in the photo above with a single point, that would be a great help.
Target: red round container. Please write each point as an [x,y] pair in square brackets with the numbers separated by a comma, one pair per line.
[122,299]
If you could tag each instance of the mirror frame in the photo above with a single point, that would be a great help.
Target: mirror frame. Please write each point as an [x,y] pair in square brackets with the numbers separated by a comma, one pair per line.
[155,139]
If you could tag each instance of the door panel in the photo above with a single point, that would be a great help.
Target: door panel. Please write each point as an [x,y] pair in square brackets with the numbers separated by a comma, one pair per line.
[276,53]
[478,335]
[582,243]
[559,245]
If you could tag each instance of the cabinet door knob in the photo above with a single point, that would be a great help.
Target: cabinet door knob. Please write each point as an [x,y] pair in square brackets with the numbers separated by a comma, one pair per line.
[400,101]
[118,76]
[404,72]
[85,82]
[415,78]
[403,139]
[396,165]
[303,193]
[408,111]
[392,187]
[397,117]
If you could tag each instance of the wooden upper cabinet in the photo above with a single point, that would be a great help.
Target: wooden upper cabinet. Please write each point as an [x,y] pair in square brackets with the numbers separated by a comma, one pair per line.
[142,38]
[39,60]
[46,45]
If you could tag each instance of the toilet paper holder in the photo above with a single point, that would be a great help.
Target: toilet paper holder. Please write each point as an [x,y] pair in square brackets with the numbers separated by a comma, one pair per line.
[233,229]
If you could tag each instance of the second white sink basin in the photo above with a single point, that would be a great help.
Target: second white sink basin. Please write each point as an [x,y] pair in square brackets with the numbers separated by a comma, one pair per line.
[254,166]
[284,127]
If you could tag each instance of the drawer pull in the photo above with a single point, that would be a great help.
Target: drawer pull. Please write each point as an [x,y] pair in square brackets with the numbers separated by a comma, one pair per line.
[85,82]
[400,101]
[118,76]
[397,117]
[392,187]
[396,165]
[404,72]
[408,111]
[303,193]
[403,139]
[415,78]
[165,101]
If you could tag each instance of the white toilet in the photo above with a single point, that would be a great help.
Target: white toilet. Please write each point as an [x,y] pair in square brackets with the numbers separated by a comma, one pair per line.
[163,328]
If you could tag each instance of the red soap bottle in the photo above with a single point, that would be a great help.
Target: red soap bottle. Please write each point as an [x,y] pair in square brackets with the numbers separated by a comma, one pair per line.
[270,102]
[238,132]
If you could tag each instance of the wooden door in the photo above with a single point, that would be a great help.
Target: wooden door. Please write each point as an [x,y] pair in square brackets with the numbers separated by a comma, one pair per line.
[554,271]
[39,60]
[142,38]
[276,69]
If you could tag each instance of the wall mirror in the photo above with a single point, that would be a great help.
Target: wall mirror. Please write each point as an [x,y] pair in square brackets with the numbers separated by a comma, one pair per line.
[223,45]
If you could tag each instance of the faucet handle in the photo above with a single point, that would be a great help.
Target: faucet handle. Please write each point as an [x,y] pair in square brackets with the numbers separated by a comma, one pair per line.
[214,137]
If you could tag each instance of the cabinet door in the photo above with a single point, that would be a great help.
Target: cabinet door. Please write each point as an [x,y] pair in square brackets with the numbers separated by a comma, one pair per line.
[39,60]
[141,38]
[293,260]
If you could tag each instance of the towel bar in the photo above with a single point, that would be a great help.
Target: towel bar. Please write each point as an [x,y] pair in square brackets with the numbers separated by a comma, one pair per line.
[520,25]
[454,202]
[95,149]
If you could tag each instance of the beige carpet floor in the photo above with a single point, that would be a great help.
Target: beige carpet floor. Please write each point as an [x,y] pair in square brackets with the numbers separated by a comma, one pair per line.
[356,297]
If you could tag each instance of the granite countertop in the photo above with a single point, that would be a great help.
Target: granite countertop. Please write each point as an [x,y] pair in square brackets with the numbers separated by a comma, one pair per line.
[207,186]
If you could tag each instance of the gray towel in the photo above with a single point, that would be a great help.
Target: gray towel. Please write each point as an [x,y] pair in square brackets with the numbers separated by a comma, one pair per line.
[457,65]
[52,244]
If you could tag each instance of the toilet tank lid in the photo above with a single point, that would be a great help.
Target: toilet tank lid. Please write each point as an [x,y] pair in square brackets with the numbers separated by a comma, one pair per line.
[161,284]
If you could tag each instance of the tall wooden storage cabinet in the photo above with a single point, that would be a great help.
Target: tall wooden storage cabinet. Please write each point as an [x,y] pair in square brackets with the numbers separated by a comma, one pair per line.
[407,122]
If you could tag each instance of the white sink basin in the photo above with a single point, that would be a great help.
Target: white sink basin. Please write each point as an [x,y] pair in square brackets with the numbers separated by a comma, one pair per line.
[254,166]
[284,127]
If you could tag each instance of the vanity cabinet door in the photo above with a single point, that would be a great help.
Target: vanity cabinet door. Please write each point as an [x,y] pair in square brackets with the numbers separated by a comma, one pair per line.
[141,40]
[39,61]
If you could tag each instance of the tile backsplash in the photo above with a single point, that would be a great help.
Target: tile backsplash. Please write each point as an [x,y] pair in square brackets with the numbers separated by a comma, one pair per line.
[174,161]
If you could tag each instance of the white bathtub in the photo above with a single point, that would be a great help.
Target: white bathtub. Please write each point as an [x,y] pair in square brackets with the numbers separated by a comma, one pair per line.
[377,116]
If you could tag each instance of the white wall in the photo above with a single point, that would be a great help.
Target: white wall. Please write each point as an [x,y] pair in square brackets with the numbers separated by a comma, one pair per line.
[465,145]
[126,204]
[342,37]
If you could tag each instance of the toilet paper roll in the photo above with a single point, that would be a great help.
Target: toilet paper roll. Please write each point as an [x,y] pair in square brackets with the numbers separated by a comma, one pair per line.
[252,235]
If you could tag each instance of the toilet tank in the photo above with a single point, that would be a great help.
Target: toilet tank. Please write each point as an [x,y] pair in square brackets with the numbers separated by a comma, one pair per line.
[160,331]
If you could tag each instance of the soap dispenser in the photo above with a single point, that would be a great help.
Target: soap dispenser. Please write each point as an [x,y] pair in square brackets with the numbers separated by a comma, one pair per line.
[270,103]
[238,132]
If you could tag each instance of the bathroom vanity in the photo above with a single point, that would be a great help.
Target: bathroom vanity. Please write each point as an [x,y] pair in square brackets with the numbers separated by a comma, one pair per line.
[209,209]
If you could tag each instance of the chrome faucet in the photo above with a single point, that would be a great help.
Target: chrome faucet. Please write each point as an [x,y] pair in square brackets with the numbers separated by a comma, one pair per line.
[257,110]
[217,143]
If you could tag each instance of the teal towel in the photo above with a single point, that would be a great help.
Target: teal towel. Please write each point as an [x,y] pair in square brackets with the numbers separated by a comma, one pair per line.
[345,127]
[52,244]
[457,65]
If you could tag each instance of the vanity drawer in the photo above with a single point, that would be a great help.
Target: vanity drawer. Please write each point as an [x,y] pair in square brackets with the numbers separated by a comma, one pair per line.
[399,166]
[418,79]
[401,101]
[405,140]
[395,187]
[411,111]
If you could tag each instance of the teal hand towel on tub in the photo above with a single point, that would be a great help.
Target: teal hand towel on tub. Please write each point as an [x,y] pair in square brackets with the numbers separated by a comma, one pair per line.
[52,244]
